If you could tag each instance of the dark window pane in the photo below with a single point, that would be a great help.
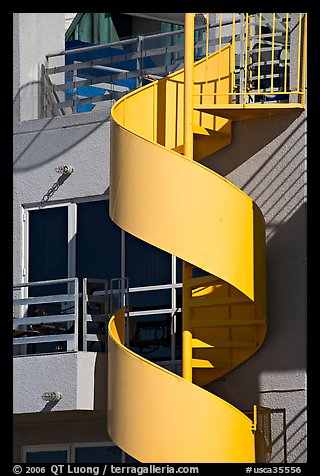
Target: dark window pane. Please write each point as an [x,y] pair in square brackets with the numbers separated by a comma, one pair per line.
[98,242]
[146,265]
[130,459]
[179,270]
[143,300]
[59,456]
[48,247]
[150,336]
[178,335]
[98,454]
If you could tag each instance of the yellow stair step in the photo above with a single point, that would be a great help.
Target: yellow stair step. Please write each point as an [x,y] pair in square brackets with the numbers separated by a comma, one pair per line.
[200,344]
[206,364]
[202,364]
[239,112]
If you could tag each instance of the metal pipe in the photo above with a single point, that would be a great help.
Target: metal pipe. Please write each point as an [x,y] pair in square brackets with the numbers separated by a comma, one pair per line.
[188,84]
[133,40]
[304,59]
[299,54]
[259,50]
[286,53]
[186,325]
[188,152]
[272,50]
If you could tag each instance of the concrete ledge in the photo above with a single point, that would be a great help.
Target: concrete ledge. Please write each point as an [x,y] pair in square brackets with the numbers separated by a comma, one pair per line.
[80,377]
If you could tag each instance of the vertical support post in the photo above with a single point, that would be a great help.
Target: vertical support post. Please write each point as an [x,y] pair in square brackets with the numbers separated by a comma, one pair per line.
[84,314]
[242,55]
[139,61]
[188,84]
[173,311]
[304,60]
[188,152]
[41,92]
[76,311]
[186,323]
[74,89]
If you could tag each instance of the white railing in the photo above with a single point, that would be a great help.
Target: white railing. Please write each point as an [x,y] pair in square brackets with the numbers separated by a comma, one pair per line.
[269,62]
[142,58]
[46,319]
[53,316]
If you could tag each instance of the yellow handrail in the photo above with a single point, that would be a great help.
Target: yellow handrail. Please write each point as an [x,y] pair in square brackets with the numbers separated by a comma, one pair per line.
[210,224]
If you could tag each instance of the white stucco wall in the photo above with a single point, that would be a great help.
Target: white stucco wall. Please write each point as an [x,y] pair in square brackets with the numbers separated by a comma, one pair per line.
[267,159]
[39,146]
[78,376]
[37,34]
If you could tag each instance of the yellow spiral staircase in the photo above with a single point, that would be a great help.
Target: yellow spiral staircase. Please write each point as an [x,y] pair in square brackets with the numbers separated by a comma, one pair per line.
[175,203]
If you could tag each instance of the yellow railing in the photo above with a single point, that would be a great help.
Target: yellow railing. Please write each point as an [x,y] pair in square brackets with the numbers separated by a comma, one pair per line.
[209,223]
[269,62]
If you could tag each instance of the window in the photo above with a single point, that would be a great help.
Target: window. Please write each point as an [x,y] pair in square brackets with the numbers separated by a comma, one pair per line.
[146,265]
[105,452]
[78,239]
[71,239]
[98,454]
[97,242]
[46,454]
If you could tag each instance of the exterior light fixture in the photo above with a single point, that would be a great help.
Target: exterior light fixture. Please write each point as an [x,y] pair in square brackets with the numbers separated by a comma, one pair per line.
[51,396]
[64,169]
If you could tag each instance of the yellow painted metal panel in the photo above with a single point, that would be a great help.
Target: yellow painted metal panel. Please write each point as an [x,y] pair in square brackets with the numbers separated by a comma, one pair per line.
[242,112]
[178,205]
[157,416]
[167,200]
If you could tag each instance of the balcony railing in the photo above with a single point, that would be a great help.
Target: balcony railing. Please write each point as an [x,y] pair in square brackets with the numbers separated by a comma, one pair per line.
[269,62]
[53,316]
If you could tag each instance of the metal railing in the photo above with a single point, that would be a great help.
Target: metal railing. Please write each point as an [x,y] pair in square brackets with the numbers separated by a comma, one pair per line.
[48,319]
[95,311]
[268,58]
[261,422]
[269,63]
[117,68]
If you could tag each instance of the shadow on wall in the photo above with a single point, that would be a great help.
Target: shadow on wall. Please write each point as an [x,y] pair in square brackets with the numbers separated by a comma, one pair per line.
[36,151]
[258,134]
[266,159]
[273,376]
[100,381]
[289,444]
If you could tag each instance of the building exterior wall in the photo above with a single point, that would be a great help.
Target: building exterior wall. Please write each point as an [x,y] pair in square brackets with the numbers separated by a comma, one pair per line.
[38,34]
[60,428]
[266,158]
[42,145]
[80,378]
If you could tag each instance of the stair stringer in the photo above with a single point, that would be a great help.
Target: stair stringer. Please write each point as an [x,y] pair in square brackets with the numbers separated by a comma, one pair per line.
[158,417]
[188,210]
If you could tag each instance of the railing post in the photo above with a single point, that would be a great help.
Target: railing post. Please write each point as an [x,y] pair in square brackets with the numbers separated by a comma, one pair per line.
[242,57]
[84,314]
[76,311]
[42,92]
[74,89]
[186,323]
[188,84]
[188,152]
[139,61]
